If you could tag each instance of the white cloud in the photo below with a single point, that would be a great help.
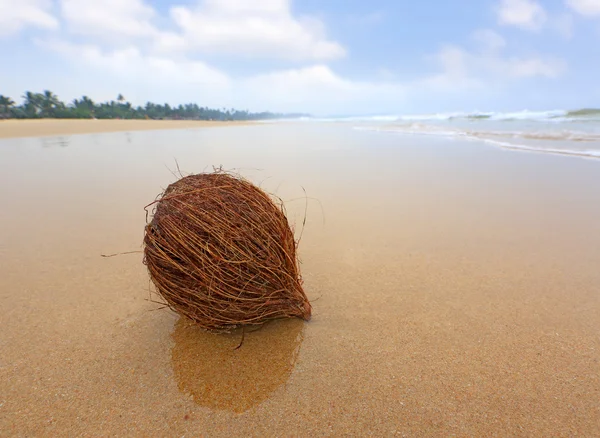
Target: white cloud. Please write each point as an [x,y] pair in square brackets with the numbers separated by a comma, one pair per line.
[263,28]
[587,8]
[455,75]
[488,64]
[102,74]
[16,15]
[526,14]
[531,15]
[563,24]
[532,67]
[129,63]
[318,89]
[142,77]
[454,61]
[108,19]
[144,65]
[489,39]
[460,69]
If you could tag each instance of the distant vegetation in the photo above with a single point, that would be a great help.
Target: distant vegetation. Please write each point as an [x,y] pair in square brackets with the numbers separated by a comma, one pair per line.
[47,105]
[584,112]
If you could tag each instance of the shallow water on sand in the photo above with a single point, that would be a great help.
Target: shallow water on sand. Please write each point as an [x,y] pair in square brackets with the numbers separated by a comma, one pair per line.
[454,289]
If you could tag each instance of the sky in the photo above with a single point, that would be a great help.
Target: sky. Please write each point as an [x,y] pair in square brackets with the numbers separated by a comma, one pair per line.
[324,57]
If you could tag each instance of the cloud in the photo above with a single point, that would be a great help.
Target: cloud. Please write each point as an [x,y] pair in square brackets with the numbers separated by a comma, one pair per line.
[516,67]
[491,61]
[301,88]
[489,40]
[168,64]
[526,14]
[587,8]
[563,24]
[109,19]
[265,29]
[102,73]
[16,15]
[531,15]
[315,88]
[488,64]
[131,64]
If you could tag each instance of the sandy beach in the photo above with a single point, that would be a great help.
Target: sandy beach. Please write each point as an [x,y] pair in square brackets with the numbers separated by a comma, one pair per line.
[454,288]
[60,127]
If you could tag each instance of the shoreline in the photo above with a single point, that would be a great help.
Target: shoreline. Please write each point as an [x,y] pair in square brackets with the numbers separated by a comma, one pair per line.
[54,127]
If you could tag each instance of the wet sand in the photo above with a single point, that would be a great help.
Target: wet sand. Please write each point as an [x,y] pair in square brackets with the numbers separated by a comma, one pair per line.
[56,127]
[454,290]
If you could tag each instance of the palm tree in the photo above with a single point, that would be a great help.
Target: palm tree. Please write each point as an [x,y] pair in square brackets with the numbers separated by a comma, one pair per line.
[84,103]
[32,103]
[89,103]
[84,107]
[49,103]
[5,104]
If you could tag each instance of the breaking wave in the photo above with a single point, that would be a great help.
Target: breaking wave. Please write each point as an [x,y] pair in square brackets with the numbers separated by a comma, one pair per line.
[556,141]
[584,114]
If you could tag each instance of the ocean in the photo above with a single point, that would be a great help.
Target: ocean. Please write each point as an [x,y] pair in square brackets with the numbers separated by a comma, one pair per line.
[562,132]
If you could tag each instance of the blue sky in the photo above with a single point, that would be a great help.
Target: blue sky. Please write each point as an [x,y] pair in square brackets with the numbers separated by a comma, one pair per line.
[319,56]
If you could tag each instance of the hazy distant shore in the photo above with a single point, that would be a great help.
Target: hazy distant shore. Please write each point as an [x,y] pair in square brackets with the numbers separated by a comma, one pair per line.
[53,127]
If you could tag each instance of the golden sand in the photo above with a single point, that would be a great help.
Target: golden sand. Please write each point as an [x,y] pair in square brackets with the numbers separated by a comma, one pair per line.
[54,127]
[454,291]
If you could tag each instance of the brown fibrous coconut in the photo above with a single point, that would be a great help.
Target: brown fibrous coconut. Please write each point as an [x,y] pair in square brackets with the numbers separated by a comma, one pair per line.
[220,251]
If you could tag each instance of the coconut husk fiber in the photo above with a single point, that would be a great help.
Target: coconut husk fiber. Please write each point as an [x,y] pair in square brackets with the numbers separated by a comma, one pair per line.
[220,251]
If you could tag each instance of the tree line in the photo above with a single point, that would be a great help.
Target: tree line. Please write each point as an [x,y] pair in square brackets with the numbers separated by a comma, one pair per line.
[48,105]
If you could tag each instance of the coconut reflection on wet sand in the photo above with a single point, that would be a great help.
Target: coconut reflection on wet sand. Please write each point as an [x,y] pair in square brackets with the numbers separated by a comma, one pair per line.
[219,375]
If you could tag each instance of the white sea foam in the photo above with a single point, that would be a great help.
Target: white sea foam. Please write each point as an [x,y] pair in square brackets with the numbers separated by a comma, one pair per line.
[542,141]
[592,153]
[415,129]
[452,131]
[555,116]
[556,131]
